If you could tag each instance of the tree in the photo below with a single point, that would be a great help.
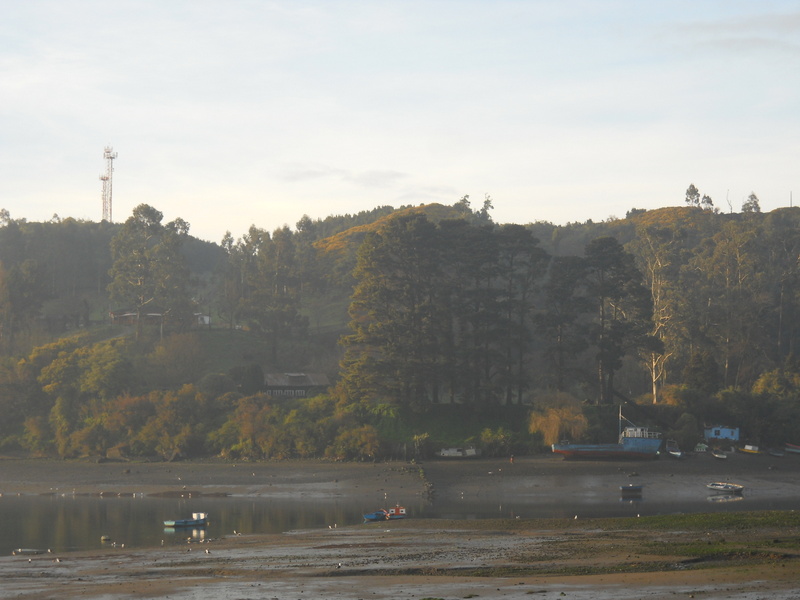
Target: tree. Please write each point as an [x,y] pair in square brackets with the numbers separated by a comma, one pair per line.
[692,196]
[563,304]
[751,205]
[521,266]
[624,309]
[658,251]
[391,351]
[149,269]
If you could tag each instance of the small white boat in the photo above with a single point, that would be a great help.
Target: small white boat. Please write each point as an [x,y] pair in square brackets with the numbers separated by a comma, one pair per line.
[725,487]
[673,450]
[719,454]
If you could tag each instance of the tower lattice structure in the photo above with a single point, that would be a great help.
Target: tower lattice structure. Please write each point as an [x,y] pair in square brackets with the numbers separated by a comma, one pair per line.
[107,178]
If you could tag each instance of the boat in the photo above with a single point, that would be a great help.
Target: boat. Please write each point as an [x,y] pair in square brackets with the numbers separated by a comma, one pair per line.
[396,512]
[750,449]
[719,454]
[791,448]
[634,442]
[631,490]
[469,452]
[725,487]
[776,453]
[673,450]
[197,520]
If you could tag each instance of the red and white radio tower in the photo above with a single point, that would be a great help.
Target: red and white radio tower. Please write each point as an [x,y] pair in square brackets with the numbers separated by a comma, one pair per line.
[109,155]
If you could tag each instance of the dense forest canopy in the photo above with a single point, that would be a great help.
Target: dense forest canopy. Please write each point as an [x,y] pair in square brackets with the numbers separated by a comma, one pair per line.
[137,339]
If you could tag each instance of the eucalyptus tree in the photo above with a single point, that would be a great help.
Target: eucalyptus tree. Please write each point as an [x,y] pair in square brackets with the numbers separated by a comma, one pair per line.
[659,252]
[271,299]
[733,298]
[149,270]
[782,241]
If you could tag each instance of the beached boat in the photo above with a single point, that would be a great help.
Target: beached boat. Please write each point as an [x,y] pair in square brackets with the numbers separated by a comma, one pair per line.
[791,448]
[396,512]
[469,452]
[725,487]
[634,442]
[673,450]
[719,454]
[750,449]
[631,490]
[197,520]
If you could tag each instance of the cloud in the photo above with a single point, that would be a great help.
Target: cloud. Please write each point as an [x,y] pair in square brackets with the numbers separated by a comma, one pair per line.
[302,173]
[377,179]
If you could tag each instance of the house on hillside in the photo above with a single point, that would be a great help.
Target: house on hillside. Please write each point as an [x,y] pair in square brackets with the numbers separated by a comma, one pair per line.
[295,385]
[128,316]
[721,433]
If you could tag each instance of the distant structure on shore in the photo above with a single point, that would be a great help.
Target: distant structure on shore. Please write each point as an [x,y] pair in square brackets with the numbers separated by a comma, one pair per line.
[107,178]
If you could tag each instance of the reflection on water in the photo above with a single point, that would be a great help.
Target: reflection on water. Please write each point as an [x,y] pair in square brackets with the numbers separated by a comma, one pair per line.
[66,522]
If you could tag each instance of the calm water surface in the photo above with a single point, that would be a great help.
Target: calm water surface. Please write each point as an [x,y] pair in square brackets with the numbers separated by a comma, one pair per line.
[64,523]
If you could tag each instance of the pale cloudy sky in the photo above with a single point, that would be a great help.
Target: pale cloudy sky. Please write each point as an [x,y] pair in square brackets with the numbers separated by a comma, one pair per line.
[229,113]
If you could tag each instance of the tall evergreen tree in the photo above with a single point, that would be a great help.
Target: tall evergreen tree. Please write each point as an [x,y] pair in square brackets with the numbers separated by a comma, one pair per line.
[624,309]
[149,270]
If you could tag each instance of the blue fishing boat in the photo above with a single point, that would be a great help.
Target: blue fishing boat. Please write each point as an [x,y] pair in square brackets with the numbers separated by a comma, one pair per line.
[197,520]
[634,442]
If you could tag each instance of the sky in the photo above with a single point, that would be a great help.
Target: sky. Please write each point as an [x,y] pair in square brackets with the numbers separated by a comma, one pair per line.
[232,113]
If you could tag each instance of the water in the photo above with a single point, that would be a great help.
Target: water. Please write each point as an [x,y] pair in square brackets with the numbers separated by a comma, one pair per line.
[66,522]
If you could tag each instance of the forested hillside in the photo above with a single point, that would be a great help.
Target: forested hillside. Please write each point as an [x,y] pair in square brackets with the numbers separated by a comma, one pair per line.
[434,324]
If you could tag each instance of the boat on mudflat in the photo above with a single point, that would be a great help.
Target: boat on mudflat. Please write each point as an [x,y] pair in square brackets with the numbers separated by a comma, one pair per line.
[673,450]
[634,442]
[749,449]
[725,487]
[197,520]
[791,448]
[631,490]
[396,512]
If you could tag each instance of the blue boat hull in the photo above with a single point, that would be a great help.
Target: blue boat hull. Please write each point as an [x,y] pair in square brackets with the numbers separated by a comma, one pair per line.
[186,523]
[629,448]
[378,515]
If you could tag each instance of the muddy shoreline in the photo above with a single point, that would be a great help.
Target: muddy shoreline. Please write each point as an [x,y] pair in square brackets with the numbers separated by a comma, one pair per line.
[432,558]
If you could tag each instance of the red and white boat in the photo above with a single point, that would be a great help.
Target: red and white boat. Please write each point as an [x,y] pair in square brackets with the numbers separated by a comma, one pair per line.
[396,512]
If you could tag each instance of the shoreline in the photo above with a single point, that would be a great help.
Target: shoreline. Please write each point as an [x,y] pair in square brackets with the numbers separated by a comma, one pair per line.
[497,558]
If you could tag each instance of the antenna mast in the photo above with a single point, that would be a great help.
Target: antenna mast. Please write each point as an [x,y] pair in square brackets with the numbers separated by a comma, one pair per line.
[109,155]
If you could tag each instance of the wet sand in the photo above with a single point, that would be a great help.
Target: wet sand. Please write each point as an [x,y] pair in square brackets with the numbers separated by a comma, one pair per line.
[502,558]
